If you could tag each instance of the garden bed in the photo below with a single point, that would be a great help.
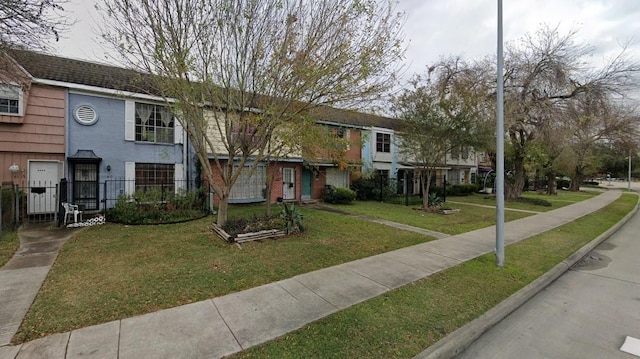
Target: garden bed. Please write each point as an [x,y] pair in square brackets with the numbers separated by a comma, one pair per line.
[248,237]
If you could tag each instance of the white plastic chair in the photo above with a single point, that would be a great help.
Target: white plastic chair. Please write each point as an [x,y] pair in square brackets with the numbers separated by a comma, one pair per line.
[71,210]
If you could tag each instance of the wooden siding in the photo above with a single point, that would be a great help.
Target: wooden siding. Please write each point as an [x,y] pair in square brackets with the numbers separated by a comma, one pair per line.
[40,135]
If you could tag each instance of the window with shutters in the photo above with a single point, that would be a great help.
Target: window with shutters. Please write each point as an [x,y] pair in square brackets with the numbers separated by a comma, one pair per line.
[383,142]
[155,176]
[154,123]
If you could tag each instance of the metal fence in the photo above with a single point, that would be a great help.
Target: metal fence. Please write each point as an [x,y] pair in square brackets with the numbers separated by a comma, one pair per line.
[112,191]
[40,202]
[36,202]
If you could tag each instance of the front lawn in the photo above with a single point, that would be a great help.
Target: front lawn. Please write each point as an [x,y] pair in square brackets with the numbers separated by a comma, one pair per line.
[117,271]
[468,219]
[564,198]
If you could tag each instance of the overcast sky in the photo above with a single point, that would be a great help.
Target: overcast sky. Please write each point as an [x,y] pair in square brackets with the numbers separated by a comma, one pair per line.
[436,28]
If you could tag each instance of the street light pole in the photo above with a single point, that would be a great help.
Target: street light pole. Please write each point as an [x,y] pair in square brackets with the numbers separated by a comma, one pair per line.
[629,178]
[500,148]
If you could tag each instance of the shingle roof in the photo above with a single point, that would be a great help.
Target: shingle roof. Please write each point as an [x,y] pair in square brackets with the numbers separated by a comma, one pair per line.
[349,117]
[63,69]
[55,68]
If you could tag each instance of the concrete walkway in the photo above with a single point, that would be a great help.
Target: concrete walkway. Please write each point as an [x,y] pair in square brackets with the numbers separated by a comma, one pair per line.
[22,276]
[224,325]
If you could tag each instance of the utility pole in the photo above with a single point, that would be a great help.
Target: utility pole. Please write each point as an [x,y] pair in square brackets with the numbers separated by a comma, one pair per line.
[500,148]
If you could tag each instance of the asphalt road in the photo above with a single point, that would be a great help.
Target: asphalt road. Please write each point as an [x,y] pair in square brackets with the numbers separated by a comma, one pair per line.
[586,313]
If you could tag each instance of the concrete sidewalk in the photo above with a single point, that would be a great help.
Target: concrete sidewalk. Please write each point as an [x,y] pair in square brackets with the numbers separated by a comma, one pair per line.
[228,324]
[22,276]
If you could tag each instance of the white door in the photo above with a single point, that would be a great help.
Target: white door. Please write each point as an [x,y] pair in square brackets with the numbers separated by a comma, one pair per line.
[288,183]
[42,181]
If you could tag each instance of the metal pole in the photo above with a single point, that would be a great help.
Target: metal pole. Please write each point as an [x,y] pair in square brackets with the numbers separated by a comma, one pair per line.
[444,188]
[500,148]
[629,184]
[406,189]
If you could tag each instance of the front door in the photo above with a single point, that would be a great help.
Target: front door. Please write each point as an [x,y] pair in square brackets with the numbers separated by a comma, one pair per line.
[306,184]
[44,177]
[85,185]
[288,183]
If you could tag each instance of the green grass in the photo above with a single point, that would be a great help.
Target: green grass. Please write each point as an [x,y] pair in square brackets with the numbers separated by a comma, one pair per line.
[468,219]
[116,271]
[564,198]
[403,322]
[9,244]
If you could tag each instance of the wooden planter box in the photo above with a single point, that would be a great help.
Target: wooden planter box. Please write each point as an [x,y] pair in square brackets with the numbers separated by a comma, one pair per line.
[248,237]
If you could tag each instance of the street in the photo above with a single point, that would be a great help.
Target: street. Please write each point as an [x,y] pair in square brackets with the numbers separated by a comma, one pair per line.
[586,313]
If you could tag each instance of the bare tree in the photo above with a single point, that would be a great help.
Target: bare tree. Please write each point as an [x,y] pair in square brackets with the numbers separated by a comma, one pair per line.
[597,121]
[441,111]
[256,67]
[542,74]
[31,23]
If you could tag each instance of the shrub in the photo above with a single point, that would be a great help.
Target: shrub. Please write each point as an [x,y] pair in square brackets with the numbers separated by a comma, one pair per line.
[462,189]
[339,195]
[255,223]
[370,189]
[534,201]
[292,218]
[433,200]
[156,206]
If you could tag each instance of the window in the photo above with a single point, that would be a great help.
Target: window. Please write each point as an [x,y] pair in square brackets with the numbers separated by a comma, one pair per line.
[465,153]
[455,153]
[10,100]
[249,188]
[383,142]
[337,178]
[155,176]
[154,123]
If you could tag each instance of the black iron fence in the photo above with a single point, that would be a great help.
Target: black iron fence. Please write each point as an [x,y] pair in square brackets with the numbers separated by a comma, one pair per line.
[36,202]
[41,202]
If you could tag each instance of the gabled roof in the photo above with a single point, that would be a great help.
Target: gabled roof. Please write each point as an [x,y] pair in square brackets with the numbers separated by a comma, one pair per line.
[61,69]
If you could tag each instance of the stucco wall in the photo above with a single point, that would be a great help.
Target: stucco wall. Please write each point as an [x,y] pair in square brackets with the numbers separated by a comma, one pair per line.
[106,138]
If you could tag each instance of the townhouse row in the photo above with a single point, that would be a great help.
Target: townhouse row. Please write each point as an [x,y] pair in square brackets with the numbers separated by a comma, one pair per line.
[97,127]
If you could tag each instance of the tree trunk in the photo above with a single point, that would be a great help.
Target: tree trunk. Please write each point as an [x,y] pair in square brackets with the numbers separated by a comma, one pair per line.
[267,193]
[552,185]
[223,206]
[578,178]
[515,182]
[426,182]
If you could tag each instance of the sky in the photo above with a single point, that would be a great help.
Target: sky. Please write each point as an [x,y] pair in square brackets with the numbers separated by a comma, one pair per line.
[437,28]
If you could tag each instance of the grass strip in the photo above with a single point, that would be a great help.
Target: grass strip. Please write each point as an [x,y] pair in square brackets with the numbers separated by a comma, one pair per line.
[468,219]
[403,322]
[116,271]
[9,244]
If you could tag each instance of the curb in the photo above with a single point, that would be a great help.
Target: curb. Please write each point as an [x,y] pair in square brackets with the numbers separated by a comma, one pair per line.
[456,342]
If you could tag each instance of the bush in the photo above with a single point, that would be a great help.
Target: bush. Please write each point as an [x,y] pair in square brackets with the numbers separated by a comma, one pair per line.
[293,219]
[339,195]
[368,188]
[235,226]
[534,201]
[156,206]
[455,190]
[462,189]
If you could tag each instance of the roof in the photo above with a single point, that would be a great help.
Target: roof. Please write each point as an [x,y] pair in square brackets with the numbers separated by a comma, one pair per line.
[55,68]
[350,117]
[49,67]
